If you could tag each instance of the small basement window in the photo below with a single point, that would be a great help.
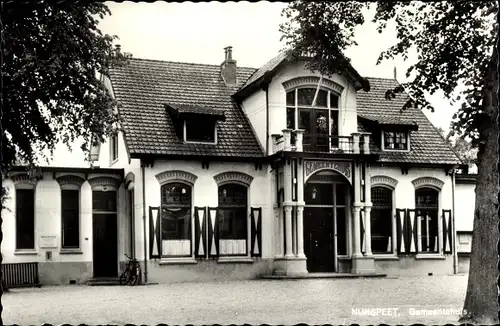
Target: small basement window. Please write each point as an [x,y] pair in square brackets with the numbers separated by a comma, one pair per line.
[200,129]
[395,140]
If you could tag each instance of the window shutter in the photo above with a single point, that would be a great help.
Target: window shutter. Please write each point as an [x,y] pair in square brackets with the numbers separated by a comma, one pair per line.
[154,232]
[412,223]
[401,224]
[200,229]
[447,232]
[213,232]
[256,231]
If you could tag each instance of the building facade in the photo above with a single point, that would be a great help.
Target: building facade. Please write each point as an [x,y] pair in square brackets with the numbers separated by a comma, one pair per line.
[226,172]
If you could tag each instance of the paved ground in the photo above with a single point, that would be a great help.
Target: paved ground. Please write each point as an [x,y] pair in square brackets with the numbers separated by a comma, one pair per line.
[311,301]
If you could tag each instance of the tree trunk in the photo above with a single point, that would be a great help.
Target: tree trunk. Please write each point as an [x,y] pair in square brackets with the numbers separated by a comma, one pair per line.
[481,299]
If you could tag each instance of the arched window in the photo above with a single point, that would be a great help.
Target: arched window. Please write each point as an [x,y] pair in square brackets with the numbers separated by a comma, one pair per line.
[381,220]
[233,212]
[427,207]
[320,120]
[176,219]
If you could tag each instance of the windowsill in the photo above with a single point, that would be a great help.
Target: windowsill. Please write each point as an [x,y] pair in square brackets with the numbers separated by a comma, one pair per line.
[344,258]
[177,261]
[430,256]
[25,252]
[235,259]
[385,257]
[200,142]
[75,251]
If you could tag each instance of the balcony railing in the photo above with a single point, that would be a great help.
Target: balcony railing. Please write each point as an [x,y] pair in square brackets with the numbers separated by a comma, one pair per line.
[297,141]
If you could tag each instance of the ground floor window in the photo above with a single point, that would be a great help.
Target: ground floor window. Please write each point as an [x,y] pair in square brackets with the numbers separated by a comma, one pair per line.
[176,219]
[381,220]
[427,208]
[25,219]
[233,219]
[70,211]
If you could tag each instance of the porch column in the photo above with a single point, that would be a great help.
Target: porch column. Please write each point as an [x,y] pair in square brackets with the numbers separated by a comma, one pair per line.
[288,235]
[356,207]
[368,208]
[287,183]
[300,207]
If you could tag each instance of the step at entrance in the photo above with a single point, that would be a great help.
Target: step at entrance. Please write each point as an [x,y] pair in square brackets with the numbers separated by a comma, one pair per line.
[103,281]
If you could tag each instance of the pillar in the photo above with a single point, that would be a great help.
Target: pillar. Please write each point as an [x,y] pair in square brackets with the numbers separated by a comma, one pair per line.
[299,140]
[356,245]
[287,183]
[355,142]
[288,235]
[368,208]
[300,206]
[287,138]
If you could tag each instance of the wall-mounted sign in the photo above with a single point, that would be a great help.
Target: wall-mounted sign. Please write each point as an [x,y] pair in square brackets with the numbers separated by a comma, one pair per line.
[343,168]
[48,241]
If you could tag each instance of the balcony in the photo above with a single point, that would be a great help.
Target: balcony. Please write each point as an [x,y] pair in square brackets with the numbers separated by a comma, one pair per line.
[296,141]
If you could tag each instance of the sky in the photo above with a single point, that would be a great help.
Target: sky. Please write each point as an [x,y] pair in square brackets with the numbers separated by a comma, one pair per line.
[198,33]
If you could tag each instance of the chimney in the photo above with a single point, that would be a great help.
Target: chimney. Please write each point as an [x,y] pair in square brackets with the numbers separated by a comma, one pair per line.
[228,67]
[395,73]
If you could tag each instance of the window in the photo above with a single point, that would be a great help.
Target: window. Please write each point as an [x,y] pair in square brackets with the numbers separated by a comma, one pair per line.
[70,212]
[113,148]
[427,207]
[25,219]
[233,216]
[320,121]
[381,220]
[395,140]
[200,130]
[176,219]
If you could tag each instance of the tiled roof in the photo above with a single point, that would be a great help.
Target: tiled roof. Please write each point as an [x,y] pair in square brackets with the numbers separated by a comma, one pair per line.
[143,87]
[267,67]
[427,144]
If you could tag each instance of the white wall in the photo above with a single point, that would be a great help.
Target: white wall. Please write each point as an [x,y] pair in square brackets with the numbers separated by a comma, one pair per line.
[47,222]
[405,191]
[465,201]
[254,107]
[205,191]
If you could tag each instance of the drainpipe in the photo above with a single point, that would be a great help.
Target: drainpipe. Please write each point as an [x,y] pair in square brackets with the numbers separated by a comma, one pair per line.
[455,255]
[144,223]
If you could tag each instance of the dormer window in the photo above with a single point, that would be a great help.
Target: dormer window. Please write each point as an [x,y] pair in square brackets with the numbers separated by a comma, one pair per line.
[395,140]
[200,129]
[195,124]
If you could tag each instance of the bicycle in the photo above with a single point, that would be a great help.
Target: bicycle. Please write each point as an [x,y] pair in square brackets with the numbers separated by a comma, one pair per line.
[132,272]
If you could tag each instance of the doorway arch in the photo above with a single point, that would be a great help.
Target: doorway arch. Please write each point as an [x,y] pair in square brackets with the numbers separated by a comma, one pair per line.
[327,196]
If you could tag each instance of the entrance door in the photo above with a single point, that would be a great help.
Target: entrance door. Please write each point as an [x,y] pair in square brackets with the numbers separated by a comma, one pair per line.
[325,216]
[319,239]
[104,232]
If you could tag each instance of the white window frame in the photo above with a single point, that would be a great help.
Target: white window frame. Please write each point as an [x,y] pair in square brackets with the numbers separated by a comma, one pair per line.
[113,148]
[199,141]
[395,150]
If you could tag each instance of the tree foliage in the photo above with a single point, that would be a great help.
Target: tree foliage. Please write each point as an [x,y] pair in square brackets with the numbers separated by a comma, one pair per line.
[53,57]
